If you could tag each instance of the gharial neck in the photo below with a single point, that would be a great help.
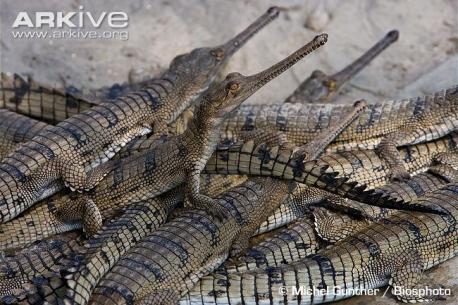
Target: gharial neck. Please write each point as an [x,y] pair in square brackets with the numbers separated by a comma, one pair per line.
[204,126]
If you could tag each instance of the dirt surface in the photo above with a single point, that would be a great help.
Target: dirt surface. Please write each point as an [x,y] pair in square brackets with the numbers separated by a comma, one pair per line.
[423,60]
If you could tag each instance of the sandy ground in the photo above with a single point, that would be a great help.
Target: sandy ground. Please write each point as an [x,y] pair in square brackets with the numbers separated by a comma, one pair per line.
[423,60]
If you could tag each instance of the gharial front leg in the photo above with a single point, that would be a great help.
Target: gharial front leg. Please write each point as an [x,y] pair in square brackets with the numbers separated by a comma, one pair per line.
[429,126]
[194,199]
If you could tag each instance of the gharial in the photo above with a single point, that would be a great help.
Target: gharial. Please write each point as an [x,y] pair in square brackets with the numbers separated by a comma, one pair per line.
[185,196]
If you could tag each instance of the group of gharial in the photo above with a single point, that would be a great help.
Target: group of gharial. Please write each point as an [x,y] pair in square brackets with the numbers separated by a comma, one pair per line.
[170,191]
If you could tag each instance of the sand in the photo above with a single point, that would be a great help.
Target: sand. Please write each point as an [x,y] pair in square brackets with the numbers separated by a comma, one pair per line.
[423,60]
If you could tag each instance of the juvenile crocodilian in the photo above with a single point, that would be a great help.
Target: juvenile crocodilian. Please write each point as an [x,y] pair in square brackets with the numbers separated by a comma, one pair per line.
[73,151]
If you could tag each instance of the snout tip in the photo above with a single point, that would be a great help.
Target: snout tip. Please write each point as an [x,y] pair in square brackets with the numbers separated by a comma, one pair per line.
[273,11]
[393,35]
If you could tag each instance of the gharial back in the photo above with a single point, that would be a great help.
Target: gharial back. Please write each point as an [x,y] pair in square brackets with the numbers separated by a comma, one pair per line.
[302,122]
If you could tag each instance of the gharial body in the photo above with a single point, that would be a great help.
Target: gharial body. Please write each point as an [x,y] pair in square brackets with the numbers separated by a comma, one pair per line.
[72,150]
[353,196]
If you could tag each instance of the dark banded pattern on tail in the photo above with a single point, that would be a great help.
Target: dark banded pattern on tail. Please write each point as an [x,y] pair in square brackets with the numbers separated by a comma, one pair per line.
[176,255]
[301,123]
[16,129]
[36,274]
[291,243]
[45,103]
[37,223]
[391,251]
[70,152]
[351,174]
[114,240]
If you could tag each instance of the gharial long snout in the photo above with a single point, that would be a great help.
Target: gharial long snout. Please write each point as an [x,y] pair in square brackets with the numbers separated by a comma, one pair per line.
[351,70]
[256,81]
[234,44]
[251,84]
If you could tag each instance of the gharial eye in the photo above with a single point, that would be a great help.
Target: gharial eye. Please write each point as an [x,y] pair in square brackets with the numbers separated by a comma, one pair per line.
[233,86]
[218,54]
[331,84]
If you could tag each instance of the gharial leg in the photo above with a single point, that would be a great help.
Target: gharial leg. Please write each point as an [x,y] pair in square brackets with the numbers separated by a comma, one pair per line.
[422,128]
[406,280]
[446,166]
[194,199]
[333,226]
[313,149]
[85,210]
[310,197]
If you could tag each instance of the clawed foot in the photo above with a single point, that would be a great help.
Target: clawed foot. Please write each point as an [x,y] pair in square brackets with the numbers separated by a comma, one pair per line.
[448,158]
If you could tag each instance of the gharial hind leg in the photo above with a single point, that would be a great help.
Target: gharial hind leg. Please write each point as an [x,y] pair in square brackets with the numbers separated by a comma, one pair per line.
[406,281]
[76,178]
[83,209]
[194,199]
[333,226]
[426,127]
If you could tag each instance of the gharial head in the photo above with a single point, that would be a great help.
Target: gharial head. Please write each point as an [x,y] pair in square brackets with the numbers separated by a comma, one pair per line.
[321,88]
[202,64]
[223,97]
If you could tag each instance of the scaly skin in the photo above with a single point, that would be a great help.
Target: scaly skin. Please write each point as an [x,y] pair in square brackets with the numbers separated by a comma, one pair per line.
[301,123]
[394,251]
[129,180]
[361,168]
[54,105]
[317,88]
[73,148]
[285,246]
[405,191]
[168,262]
[291,243]
[425,117]
[91,259]
[299,238]
[38,101]
[16,129]
[276,251]
[321,88]
[114,240]
[37,223]
[333,227]
[34,272]
[41,221]
[182,159]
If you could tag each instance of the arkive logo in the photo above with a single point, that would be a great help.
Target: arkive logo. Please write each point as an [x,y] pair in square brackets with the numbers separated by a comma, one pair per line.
[79,19]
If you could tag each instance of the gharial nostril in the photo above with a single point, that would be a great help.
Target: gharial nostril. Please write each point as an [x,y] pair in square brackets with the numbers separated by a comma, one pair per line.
[273,11]
[393,35]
